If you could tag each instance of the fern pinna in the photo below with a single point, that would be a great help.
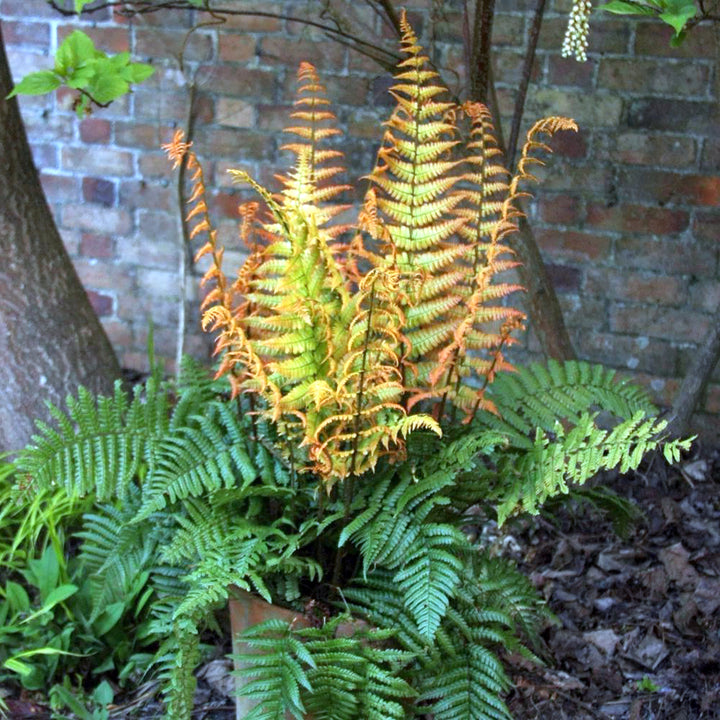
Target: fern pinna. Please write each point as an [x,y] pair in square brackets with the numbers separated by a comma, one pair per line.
[344,341]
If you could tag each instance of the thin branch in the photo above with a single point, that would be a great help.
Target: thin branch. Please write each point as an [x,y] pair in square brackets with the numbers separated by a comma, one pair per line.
[529,60]
[144,7]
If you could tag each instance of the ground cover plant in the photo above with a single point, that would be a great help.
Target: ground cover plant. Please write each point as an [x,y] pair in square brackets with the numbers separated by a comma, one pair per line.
[363,411]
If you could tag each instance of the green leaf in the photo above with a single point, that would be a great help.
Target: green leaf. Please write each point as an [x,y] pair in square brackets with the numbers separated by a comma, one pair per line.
[18,666]
[109,618]
[103,693]
[80,4]
[137,72]
[678,12]
[119,61]
[37,83]
[63,592]
[17,597]
[44,572]
[621,7]
[107,87]
[82,77]
[75,51]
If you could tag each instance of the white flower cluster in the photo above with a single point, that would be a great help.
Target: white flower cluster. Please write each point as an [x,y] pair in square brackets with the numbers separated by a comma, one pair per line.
[576,35]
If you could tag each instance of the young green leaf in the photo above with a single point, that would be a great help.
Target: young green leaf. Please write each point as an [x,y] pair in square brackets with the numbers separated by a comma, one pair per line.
[622,7]
[677,13]
[74,52]
[37,83]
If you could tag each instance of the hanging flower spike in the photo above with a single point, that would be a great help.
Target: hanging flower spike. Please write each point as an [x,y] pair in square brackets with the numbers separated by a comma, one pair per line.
[578,29]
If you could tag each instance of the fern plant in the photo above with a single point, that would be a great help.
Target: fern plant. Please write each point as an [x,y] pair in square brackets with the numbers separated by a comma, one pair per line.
[362,404]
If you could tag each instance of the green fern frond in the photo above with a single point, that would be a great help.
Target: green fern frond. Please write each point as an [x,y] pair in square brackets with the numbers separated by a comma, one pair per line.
[99,444]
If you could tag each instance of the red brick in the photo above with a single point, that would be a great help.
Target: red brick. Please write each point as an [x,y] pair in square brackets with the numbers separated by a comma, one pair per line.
[95,130]
[226,204]
[569,144]
[712,399]
[582,311]
[60,188]
[274,117]
[119,333]
[662,389]
[633,286]
[653,38]
[230,142]
[564,279]
[508,66]
[23,62]
[653,76]
[704,294]
[655,149]
[659,322]
[50,127]
[113,221]
[107,276]
[164,20]
[706,226]
[97,160]
[637,219]
[236,48]
[324,54]
[137,135]
[568,72]
[573,245]
[560,209]
[663,187]
[256,23]
[155,43]
[607,36]
[676,116]
[19,9]
[666,256]
[99,191]
[108,39]
[238,113]
[160,196]
[507,29]
[710,160]
[26,33]
[155,166]
[102,304]
[45,155]
[96,246]
[635,353]
[237,82]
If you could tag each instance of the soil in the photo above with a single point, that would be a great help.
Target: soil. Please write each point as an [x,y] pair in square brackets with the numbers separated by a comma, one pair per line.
[637,635]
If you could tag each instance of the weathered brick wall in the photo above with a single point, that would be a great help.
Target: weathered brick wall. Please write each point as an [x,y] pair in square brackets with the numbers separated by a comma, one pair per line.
[627,216]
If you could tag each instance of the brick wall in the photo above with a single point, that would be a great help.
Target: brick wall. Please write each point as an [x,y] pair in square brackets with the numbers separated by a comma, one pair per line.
[627,217]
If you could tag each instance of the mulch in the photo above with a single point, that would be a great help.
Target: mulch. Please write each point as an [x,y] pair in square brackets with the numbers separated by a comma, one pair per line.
[638,619]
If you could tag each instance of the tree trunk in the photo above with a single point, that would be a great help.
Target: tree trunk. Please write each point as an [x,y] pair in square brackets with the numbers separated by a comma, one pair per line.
[50,339]
[695,381]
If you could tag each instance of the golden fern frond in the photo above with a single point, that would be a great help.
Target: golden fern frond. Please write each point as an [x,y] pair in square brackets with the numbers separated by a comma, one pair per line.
[305,186]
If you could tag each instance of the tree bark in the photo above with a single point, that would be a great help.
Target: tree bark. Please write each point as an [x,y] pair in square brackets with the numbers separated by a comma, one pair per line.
[50,339]
[695,381]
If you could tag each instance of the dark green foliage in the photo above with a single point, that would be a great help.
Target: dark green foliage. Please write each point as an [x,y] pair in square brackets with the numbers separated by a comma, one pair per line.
[175,495]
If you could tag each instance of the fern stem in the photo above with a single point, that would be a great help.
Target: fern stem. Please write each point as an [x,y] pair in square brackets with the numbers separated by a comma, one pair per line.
[359,396]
